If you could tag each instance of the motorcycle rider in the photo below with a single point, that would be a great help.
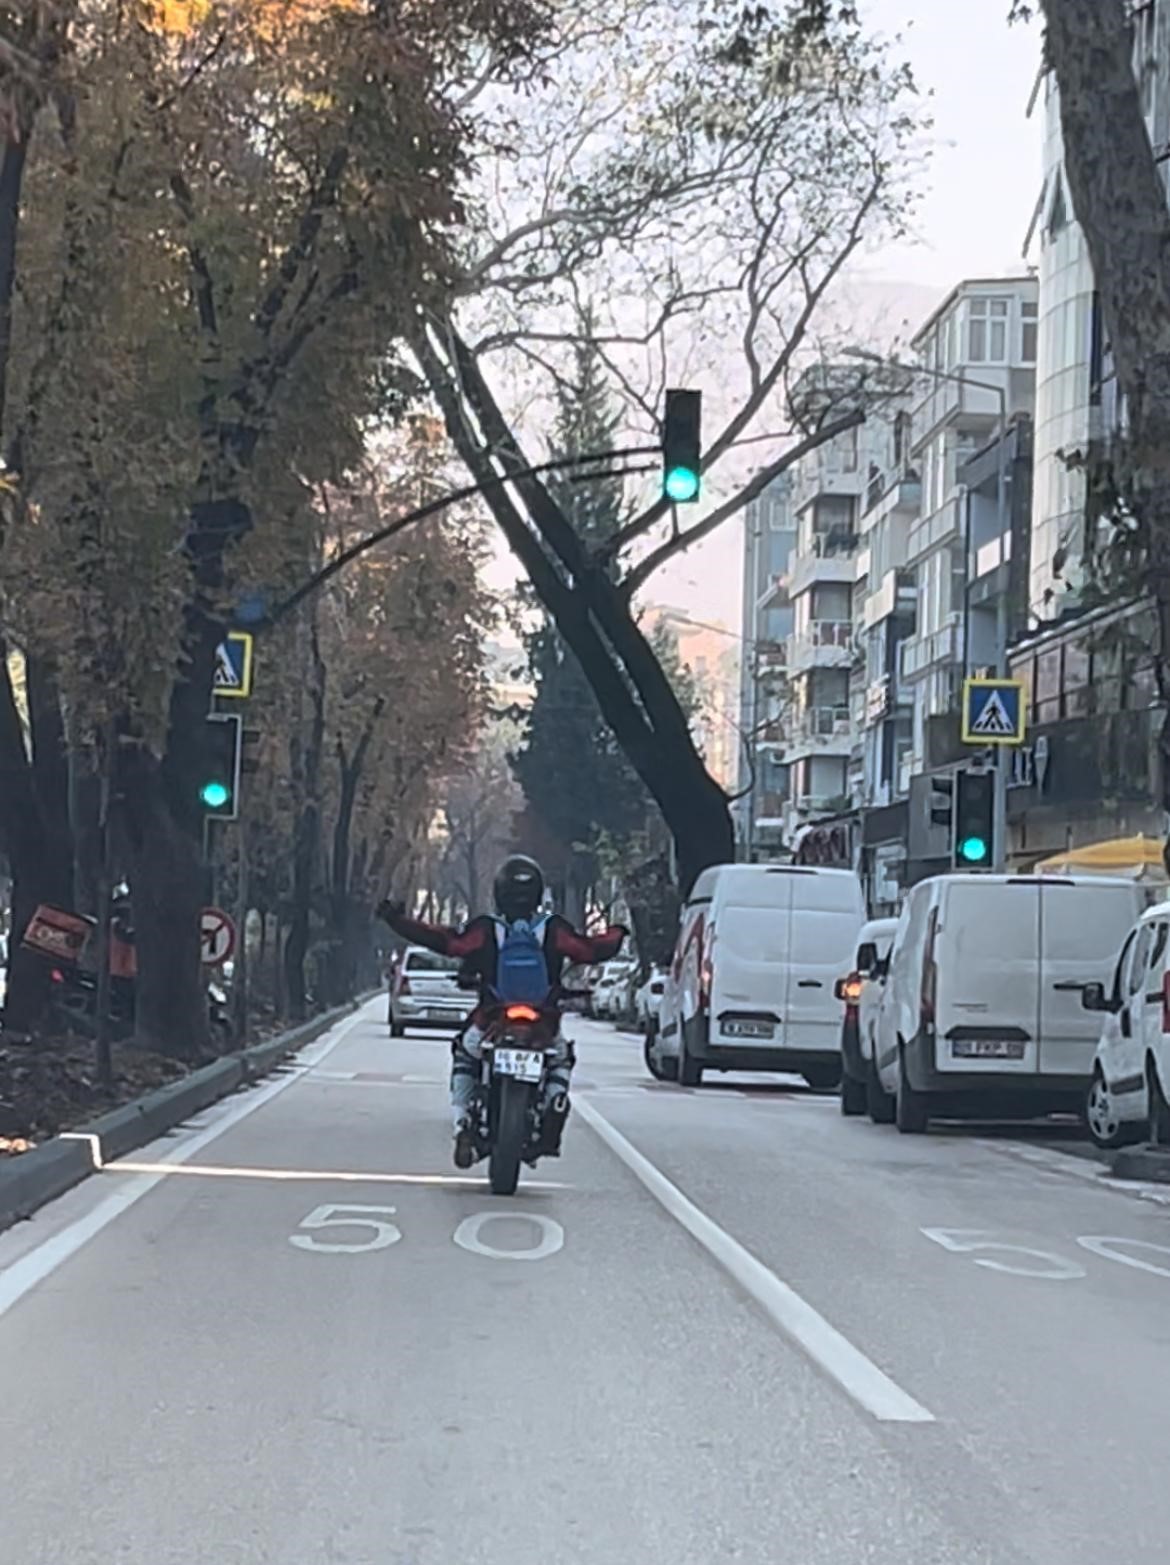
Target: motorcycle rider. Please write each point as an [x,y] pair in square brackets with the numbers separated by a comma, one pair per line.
[518,895]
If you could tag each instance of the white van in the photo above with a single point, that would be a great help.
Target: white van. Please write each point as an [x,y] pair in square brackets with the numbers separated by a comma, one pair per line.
[751,985]
[981,1012]
[1129,1093]
[861,994]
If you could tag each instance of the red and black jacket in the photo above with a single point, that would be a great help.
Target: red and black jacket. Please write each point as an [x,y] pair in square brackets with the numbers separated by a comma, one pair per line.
[476,947]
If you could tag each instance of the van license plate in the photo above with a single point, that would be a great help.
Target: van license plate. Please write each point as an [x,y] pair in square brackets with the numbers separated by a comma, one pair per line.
[749,1029]
[988,1048]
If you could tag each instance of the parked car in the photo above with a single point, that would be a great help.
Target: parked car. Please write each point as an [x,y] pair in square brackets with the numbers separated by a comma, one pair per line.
[613,994]
[861,993]
[648,998]
[426,993]
[982,1011]
[1128,1098]
[751,984]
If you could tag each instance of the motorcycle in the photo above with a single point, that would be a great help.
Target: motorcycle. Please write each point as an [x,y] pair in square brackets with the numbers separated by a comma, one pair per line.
[517,1052]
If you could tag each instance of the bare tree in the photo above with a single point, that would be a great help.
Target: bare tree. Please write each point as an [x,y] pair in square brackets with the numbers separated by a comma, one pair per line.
[697,196]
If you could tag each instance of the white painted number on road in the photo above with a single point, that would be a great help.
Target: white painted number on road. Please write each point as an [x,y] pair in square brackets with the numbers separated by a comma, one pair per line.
[466,1236]
[1109,1250]
[966,1241]
[382,1233]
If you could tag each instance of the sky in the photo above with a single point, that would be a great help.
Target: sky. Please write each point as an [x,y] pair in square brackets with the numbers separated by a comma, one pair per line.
[978,198]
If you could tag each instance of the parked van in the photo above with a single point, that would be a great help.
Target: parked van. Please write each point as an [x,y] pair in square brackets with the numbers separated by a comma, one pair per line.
[861,994]
[751,985]
[1129,1092]
[981,1013]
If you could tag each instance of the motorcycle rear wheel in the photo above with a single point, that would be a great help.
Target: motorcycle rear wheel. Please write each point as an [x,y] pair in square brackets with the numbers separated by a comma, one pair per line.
[509,1137]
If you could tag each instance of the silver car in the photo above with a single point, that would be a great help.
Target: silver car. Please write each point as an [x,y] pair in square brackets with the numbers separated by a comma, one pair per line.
[425,992]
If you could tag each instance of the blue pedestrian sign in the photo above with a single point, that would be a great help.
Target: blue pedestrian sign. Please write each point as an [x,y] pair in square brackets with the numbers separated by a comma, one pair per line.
[233,665]
[993,711]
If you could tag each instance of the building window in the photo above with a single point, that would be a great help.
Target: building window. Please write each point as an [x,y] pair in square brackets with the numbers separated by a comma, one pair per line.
[1058,209]
[1047,692]
[901,438]
[1029,325]
[987,330]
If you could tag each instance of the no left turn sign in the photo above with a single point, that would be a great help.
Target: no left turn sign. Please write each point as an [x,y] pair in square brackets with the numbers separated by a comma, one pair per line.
[217,937]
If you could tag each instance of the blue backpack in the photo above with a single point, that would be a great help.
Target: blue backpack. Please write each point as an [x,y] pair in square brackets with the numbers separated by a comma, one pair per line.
[521,970]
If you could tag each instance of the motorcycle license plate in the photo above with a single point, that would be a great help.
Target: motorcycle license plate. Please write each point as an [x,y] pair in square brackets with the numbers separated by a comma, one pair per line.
[526,1064]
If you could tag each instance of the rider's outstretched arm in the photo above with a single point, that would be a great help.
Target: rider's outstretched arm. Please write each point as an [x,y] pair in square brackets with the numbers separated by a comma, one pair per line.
[435,937]
[584,950]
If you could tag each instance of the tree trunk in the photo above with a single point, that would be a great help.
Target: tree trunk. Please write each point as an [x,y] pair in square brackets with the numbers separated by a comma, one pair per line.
[167,880]
[296,945]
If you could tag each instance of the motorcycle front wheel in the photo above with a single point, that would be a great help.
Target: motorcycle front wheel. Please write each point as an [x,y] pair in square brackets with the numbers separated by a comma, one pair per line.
[510,1132]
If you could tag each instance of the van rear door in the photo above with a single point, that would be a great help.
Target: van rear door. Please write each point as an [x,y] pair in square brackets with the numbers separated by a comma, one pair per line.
[1082,928]
[986,981]
[827,914]
[749,960]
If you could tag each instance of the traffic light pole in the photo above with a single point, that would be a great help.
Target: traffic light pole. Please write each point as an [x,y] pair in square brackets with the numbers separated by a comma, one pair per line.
[999,818]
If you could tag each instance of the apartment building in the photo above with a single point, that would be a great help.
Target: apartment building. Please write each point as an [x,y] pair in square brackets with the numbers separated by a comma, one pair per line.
[769,539]
[827,500]
[978,356]
[1091,768]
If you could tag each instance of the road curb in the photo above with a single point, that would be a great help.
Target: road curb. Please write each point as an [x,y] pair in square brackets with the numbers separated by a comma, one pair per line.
[34,1178]
[1149,1164]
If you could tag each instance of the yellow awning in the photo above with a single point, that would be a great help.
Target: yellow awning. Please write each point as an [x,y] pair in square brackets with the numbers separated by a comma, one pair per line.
[1120,855]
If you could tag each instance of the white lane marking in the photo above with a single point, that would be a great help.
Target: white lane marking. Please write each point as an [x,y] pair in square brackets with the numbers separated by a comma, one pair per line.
[315,1175]
[95,1144]
[466,1236]
[332,1215]
[1106,1249]
[1076,1168]
[857,1375]
[965,1241]
[32,1268]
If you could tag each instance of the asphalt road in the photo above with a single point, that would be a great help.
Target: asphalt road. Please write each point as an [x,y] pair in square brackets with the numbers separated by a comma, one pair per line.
[726,1325]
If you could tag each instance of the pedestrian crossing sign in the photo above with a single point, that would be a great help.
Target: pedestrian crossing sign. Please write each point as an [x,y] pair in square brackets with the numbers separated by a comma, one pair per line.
[993,711]
[233,665]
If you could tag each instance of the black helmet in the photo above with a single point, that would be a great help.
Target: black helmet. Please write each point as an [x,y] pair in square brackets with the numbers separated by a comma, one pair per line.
[519,887]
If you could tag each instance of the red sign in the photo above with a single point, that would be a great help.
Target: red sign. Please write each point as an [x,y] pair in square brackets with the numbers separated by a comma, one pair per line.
[217,937]
[58,934]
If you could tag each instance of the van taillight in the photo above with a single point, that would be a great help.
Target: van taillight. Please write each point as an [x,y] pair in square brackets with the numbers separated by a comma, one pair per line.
[706,968]
[404,985]
[1166,1002]
[929,976]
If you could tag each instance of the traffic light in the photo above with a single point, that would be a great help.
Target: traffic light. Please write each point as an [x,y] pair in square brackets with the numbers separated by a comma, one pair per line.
[974,820]
[219,773]
[681,445]
[942,801]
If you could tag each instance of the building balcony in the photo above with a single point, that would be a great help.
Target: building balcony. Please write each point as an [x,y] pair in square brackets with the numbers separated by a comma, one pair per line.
[885,496]
[827,643]
[826,473]
[896,593]
[820,730]
[824,563]
[947,402]
[885,697]
[990,556]
[933,649]
[941,527]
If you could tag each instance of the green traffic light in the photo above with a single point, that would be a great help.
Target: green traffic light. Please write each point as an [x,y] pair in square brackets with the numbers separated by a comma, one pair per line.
[973,850]
[215,795]
[682,483]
